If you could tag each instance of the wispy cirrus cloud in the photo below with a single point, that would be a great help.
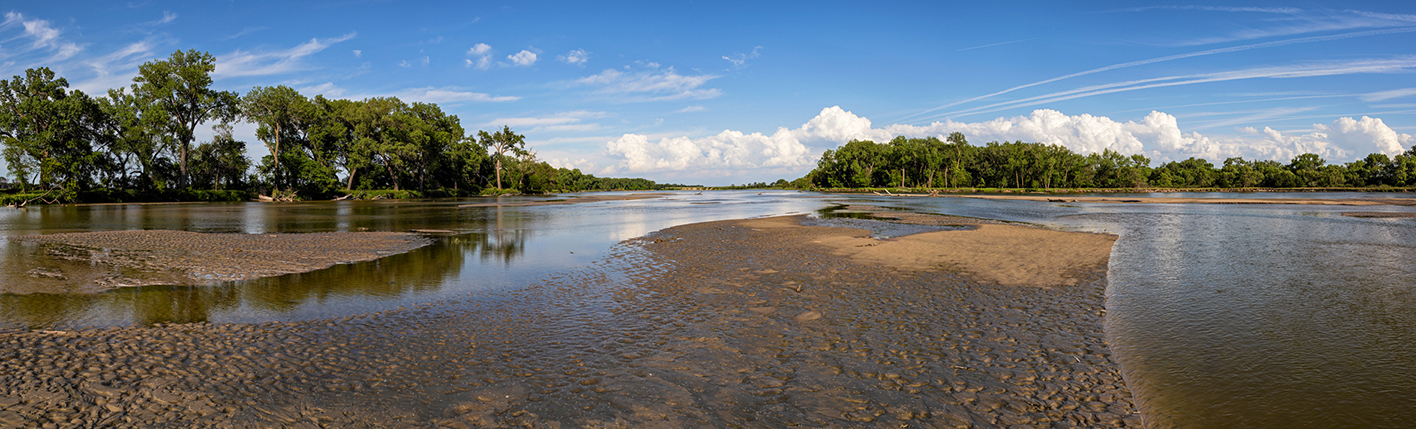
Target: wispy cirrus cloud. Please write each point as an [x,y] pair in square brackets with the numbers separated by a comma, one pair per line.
[1231,49]
[650,85]
[449,95]
[44,40]
[1389,94]
[264,63]
[560,122]
[1327,68]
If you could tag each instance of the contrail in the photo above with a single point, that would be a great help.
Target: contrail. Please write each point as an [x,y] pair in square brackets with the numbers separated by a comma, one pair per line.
[1176,57]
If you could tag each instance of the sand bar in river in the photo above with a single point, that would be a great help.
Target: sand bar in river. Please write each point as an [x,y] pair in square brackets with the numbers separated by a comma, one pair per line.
[747,323]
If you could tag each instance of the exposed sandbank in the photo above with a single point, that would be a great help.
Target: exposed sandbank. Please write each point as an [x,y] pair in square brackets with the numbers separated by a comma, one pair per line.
[579,199]
[146,257]
[750,323]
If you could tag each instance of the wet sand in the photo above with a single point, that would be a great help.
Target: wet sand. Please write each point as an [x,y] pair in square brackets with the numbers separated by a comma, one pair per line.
[110,259]
[579,199]
[751,323]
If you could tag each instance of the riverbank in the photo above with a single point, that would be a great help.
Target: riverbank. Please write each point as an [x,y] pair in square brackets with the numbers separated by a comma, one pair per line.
[758,322]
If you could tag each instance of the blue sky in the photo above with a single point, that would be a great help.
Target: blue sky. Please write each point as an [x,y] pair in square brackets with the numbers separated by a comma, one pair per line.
[732,92]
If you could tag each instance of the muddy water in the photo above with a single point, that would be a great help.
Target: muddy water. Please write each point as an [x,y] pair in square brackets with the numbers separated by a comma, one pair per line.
[1252,316]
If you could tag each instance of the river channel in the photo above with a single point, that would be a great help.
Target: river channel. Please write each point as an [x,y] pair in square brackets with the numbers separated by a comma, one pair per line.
[1221,315]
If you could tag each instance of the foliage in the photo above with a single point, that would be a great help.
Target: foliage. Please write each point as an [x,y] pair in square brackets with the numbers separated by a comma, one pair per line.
[137,143]
[953,163]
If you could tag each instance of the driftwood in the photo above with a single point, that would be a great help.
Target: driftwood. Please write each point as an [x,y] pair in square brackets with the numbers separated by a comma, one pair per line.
[41,198]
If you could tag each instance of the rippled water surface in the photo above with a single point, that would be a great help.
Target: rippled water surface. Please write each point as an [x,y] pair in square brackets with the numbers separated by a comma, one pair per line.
[1221,315]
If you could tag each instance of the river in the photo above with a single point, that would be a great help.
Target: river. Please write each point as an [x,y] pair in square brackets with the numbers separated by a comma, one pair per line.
[1221,315]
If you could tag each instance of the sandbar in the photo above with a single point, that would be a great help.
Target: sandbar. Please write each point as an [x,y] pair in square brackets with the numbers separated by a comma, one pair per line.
[147,257]
[745,323]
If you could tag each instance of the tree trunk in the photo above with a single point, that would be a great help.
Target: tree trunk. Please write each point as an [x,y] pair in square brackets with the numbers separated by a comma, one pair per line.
[498,172]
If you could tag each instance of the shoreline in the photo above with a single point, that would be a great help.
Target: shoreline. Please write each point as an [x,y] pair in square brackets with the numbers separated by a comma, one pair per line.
[755,322]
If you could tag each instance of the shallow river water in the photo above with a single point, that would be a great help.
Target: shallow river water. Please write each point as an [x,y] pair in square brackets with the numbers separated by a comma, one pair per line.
[1221,315]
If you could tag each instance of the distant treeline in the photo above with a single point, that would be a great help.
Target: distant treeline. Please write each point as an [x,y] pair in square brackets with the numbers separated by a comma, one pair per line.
[954,163]
[141,140]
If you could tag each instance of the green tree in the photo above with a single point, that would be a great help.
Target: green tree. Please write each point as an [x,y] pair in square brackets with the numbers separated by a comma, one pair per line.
[47,130]
[181,87]
[499,144]
[279,110]
[222,162]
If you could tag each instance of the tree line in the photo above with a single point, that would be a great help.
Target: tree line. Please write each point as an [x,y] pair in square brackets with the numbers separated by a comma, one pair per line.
[954,163]
[143,138]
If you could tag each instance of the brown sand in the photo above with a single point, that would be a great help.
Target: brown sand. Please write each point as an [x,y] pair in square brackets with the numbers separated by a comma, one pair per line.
[1005,254]
[574,200]
[720,324]
[148,257]
[1169,200]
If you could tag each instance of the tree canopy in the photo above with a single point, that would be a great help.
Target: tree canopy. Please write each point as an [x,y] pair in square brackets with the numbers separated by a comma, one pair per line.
[952,162]
[143,138]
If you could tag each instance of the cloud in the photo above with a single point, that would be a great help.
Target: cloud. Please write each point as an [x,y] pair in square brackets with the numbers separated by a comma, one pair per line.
[1272,44]
[523,58]
[577,57]
[45,38]
[482,56]
[242,63]
[449,95]
[651,85]
[358,53]
[1315,69]
[116,69]
[1387,95]
[166,18]
[327,89]
[1158,135]
[560,122]
[739,59]
[245,31]
[688,109]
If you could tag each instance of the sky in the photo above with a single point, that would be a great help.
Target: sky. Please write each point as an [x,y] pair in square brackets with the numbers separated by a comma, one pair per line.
[722,92]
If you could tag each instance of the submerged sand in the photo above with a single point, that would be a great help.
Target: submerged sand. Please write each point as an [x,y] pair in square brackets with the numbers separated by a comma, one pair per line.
[752,323]
[146,257]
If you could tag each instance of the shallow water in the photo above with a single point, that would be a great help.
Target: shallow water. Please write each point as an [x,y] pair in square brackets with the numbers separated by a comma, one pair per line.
[1222,315]
[497,247]
[1251,316]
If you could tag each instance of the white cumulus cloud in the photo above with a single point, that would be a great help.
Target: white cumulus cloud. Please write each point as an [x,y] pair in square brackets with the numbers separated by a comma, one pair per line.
[523,58]
[482,56]
[1158,135]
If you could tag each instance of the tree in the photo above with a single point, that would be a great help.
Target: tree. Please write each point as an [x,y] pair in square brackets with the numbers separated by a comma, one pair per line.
[277,110]
[47,130]
[221,162]
[499,144]
[181,87]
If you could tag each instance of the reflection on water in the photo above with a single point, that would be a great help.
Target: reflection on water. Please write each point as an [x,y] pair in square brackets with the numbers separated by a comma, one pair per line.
[495,247]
